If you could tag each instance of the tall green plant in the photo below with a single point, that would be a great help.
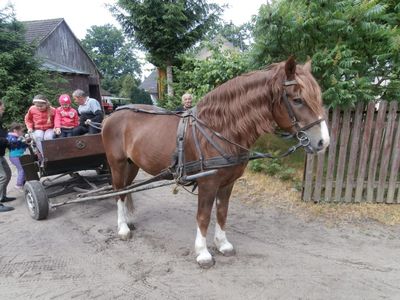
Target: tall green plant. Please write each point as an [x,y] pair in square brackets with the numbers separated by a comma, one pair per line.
[354,45]
[114,56]
[201,76]
[165,29]
[20,76]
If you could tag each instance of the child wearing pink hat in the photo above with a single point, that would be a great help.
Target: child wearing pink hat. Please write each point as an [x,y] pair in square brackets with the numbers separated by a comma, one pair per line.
[66,117]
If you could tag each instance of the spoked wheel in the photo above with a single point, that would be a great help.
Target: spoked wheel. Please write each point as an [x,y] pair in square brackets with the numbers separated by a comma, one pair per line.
[36,200]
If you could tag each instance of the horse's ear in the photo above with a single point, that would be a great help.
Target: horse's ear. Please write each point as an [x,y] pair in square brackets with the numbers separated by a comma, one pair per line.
[290,68]
[307,65]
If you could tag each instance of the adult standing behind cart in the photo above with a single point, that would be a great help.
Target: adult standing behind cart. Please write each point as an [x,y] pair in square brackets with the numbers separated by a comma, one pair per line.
[5,171]
[89,110]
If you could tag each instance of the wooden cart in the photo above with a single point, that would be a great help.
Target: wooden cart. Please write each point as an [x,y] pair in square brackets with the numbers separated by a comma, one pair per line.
[63,157]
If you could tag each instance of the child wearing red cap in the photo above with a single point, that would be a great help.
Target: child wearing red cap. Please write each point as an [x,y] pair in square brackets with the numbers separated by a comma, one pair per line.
[66,117]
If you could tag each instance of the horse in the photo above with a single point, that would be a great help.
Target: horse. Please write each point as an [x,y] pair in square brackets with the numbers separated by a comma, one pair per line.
[240,110]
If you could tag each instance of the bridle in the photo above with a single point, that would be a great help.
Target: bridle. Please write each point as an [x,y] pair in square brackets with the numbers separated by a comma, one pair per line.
[300,133]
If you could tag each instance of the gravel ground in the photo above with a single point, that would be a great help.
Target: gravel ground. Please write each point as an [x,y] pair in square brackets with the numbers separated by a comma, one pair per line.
[75,254]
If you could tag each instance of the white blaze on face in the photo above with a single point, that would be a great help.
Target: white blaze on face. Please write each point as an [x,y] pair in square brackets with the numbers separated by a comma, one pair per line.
[319,136]
[324,133]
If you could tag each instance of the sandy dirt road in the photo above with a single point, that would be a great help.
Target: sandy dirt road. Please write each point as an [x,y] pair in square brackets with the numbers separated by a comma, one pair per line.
[75,254]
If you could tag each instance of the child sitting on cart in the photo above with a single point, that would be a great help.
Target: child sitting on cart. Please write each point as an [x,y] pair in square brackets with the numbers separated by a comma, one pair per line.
[39,121]
[66,117]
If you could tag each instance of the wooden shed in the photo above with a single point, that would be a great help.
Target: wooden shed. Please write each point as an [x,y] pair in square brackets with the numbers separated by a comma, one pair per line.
[60,51]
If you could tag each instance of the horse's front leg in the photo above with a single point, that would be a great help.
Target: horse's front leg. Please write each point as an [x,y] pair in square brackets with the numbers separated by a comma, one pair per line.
[205,203]
[123,229]
[220,240]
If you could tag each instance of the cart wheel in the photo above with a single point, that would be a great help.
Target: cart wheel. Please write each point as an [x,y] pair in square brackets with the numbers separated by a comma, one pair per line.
[36,200]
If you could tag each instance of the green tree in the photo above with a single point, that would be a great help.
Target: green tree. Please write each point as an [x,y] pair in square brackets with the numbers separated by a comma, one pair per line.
[130,89]
[114,56]
[165,29]
[20,76]
[354,44]
[201,76]
[240,36]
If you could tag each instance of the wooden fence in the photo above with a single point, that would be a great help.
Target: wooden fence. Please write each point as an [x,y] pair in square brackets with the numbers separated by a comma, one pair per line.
[362,161]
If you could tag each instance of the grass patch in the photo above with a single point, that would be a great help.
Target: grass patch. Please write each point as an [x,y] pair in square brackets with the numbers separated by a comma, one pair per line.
[276,145]
[289,168]
[259,189]
[278,183]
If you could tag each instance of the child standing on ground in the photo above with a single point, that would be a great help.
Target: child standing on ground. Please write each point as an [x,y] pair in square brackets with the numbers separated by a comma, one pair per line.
[39,120]
[17,148]
[66,117]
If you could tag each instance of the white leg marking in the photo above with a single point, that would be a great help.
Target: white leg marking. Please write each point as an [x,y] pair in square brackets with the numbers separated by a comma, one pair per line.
[123,229]
[203,256]
[221,241]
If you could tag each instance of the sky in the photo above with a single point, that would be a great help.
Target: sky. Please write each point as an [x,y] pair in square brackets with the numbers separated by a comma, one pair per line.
[80,15]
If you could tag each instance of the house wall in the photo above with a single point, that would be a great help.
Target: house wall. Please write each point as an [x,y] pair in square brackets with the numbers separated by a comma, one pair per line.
[63,48]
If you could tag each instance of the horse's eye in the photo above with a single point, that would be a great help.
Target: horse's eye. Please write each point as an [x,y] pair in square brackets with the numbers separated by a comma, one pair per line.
[298,101]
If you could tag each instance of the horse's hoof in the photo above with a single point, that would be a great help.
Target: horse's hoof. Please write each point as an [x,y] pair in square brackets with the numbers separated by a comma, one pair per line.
[206,264]
[228,252]
[125,236]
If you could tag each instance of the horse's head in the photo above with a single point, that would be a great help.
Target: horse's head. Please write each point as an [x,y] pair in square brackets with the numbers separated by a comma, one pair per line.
[300,109]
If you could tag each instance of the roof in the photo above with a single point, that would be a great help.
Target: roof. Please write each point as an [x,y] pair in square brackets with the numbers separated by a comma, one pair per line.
[39,30]
[53,66]
[150,83]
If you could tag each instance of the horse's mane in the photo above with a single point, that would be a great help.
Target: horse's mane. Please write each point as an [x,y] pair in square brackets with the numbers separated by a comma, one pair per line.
[241,108]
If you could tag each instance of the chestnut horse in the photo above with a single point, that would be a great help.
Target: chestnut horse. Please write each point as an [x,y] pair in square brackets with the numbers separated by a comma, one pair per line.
[284,94]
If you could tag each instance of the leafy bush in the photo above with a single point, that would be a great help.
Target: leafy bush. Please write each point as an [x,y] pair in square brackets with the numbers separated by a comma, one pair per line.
[20,76]
[273,167]
[354,45]
[201,76]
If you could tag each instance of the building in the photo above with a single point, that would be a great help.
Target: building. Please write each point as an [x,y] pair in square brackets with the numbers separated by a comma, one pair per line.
[60,51]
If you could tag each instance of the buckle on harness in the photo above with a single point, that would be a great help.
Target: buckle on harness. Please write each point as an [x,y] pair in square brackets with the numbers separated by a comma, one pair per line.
[303,138]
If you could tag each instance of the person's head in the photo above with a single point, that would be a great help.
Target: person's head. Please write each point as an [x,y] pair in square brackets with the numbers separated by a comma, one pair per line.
[64,100]
[41,102]
[17,128]
[1,108]
[79,96]
[187,101]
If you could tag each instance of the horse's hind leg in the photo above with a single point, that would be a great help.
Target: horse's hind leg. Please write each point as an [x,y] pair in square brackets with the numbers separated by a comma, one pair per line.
[122,175]
[220,240]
